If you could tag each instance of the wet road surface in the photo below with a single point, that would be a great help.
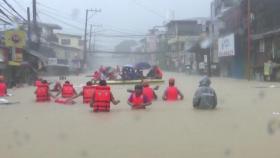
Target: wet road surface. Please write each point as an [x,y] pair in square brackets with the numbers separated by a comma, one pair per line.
[245,124]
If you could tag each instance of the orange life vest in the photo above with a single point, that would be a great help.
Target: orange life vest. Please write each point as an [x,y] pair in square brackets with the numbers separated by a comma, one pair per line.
[172,93]
[102,99]
[42,93]
[149,92]
[68,91]
[37,83]
[88,93]
[3,89]
[137,101]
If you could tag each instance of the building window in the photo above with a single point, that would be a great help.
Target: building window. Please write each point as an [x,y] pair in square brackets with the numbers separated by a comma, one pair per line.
[65,41]
[262,46]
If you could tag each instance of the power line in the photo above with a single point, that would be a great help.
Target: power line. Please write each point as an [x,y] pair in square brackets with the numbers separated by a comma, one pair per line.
[7,11]
[5,21]
[3,13]
[148,9]
[13,9]
[53,12]
[61,21]
[19,5]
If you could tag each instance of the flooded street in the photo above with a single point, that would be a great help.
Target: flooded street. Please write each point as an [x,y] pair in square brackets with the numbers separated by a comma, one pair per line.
[238,128]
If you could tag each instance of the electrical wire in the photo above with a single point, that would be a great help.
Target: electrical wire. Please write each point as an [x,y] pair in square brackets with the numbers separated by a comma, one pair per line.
[13,9]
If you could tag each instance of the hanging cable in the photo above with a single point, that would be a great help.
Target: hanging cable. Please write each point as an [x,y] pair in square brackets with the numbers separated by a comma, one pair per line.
[12,8]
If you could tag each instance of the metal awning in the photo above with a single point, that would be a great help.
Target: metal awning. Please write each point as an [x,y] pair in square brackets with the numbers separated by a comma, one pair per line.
[38,55]
[266,34]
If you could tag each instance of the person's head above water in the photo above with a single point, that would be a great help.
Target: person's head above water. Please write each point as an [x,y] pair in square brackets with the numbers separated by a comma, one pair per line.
[89,83]
[171,81]
[138,89]
[2,78]
[205,82]
[145,83]
[103,83]
[44,81]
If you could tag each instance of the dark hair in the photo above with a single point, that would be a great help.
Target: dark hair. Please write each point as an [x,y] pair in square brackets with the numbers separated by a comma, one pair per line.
[67,82]
[44,81]
[138,86]
[102,83]
[89,83]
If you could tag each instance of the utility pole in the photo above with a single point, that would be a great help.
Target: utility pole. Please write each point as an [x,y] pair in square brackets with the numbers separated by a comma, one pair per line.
[35,24]
[92,34]
[90,37]
[28,25]
[85,35]
[249,40]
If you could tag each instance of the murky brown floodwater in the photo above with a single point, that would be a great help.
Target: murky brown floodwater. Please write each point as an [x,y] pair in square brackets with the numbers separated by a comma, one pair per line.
[242,126]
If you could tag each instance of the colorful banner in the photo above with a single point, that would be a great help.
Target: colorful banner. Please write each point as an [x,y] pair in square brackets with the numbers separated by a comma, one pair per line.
[15,39]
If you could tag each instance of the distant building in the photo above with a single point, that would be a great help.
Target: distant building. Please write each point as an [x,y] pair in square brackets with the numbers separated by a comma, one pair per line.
[228,35]
[265,36]
[182,35]
[68,48]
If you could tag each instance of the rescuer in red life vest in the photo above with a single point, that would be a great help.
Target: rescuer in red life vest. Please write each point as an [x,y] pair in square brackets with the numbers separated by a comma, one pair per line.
[38,82]
[101,98]
[67,90]
[87,92]
[42,92]
[172,93]
[3,87]
[138,100]
[149,92]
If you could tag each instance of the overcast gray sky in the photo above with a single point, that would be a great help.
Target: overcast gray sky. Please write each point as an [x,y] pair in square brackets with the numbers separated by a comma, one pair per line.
[117,16]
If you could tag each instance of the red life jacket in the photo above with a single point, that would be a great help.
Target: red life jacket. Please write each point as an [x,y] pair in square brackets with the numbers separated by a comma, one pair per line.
[137,101]
[149,92]
[37,83]
[3,89]
[102,99]
[42,93]
[68,91]
[88,93]
[172,93]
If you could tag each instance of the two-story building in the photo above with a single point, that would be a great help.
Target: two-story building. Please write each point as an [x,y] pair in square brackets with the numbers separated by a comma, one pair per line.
[228,33]
[182,35]
[68,48]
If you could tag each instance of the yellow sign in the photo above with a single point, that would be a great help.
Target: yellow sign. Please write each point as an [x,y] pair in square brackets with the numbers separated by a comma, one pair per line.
[15,39]
[13,63]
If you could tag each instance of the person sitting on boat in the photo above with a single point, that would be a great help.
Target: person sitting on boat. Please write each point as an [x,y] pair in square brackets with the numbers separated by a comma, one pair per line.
[128,73]
[139,74]
[205,97]
[3,87]
[155,73]
[96,76]
[138,100]
[87,92]
[172,93]
[102,97]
